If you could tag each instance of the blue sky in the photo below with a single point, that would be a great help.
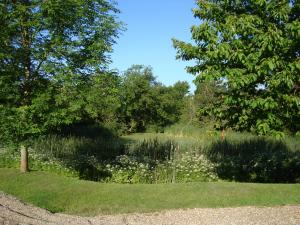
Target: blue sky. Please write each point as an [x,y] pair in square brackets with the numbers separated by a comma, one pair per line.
[150,27]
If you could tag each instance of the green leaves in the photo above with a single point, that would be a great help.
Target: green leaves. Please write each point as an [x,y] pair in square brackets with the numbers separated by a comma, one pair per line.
[48,52]
[147,104]
[103,98]
[252,46]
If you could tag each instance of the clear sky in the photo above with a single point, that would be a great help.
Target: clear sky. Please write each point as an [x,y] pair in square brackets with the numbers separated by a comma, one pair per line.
[151,24]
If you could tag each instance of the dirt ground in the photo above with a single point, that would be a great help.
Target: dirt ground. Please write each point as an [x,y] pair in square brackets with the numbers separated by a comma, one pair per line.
[15,212]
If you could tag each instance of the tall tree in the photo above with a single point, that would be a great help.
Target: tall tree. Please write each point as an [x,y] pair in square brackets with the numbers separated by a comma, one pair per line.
[49,49]
[137,97]
[170,103]
[253,46]
[103,100]
[148,104]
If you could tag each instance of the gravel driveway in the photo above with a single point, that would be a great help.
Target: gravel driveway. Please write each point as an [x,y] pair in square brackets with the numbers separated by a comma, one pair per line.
[13,212]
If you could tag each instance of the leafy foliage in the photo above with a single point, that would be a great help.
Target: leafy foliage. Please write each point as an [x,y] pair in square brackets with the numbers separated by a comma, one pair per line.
[147,103]
[103,99]
[253,46]
[206,95]
[48,51]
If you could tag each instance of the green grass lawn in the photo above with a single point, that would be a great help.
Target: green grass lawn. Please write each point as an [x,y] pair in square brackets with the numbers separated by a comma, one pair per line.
[72,196]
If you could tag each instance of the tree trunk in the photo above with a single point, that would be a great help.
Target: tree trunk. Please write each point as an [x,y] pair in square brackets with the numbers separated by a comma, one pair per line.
[24,160]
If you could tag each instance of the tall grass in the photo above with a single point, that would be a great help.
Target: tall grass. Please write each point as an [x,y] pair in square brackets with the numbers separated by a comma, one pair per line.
[256,160]
[184,153]
[206,135]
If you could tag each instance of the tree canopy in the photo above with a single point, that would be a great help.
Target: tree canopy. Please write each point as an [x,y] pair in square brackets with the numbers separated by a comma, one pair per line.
[48,52]
[148,104]
[254,47]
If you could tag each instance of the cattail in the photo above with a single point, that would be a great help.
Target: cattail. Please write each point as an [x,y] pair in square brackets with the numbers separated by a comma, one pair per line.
[223,135]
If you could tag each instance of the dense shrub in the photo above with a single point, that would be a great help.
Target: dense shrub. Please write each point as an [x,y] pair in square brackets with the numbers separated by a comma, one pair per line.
[187,168]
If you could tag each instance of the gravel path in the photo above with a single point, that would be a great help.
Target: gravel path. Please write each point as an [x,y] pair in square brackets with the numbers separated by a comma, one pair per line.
[15,212]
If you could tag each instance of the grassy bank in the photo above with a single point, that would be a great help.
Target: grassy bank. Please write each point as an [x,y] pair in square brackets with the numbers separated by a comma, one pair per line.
[184,153]
[73,196]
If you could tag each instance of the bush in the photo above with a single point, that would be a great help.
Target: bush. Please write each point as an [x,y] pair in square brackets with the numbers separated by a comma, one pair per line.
[194,167]
[153,161]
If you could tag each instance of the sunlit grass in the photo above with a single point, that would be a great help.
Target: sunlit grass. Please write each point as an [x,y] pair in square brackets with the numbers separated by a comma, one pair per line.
[73,196]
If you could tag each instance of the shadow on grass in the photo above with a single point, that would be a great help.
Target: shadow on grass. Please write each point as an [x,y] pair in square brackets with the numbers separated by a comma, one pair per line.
[87,149]
[82,148]
[256,160]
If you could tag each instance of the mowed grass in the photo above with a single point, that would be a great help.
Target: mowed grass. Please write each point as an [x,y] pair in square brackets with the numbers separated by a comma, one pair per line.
[73,196]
